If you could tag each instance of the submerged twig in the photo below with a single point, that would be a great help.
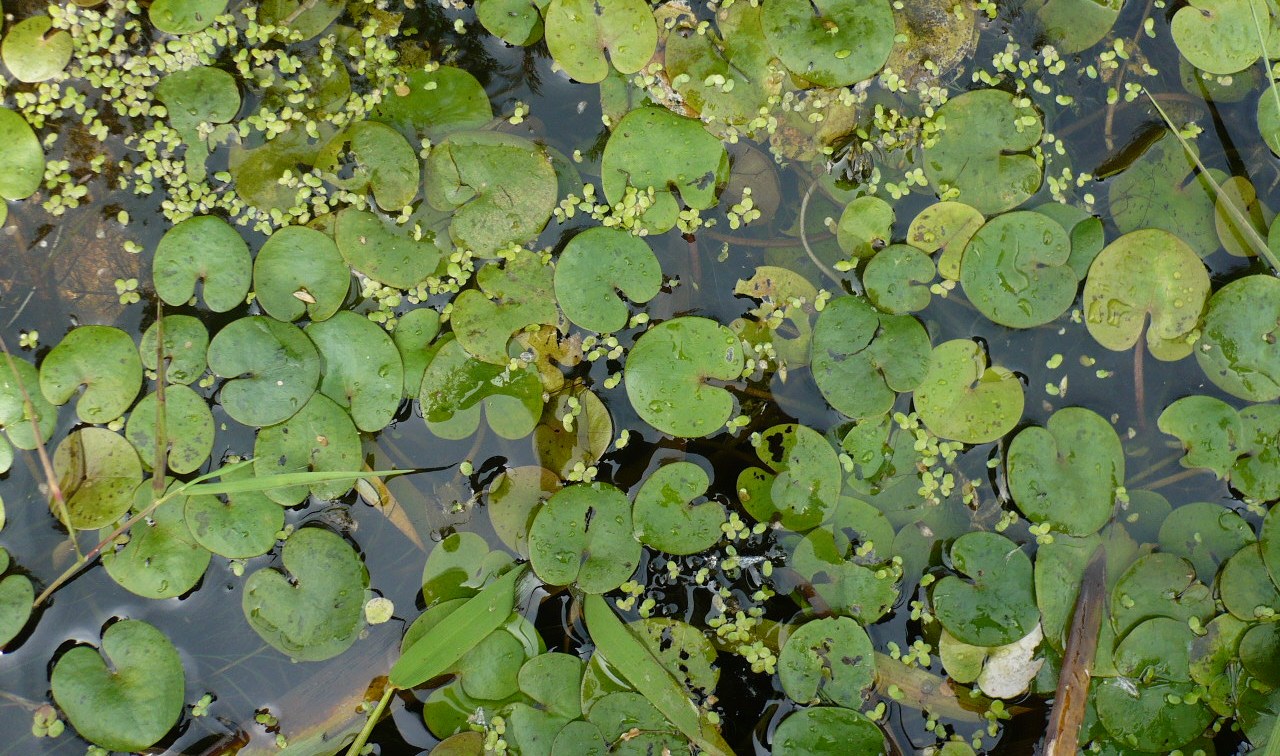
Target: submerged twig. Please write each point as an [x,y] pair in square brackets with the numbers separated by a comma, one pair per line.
[804,240]
[1067,715]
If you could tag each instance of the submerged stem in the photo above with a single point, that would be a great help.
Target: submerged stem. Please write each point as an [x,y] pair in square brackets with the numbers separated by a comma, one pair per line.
[357,745]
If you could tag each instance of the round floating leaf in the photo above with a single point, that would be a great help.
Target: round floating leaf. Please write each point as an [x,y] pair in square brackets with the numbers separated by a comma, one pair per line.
[384,163]
[963,399]
[1259,652]
[203,249]
[436,102]
[832,43]
[457,568]
[827,731]
[272,366]
[1146,272]
[97,471]
[16,598]
[186,342]
[188,429]
[595,264]
[945,226]
[583,535]
[827,661]
[318,612]
[1220,36]
[835,581]
[554,680]
[1245,588]
[516,22]
[21,157]
[1158,585]
[683,651]
[898,278]
[1151,706]
[130,705]
[362,372]
[672,515]
[779,289]
[580,738]
[34,51]
[1205,534]
[1240,192]
[184,16]
[1059,570]
[161,559]
[865,226]
[1066,473]
[1161,191]
[511,297]
[258,171]
[998,607]
[580,32]
[1209,429]
[861,357]
[1015,270]
[102,359]
[513,499]
[385,251]
[1085,230]
[801,486]
[414,331]
[1238,349]
[652,147]
[583,441]
[245,526]
[306,18]
[500,187]
[1257,473]
[982,152]
[300,271]
[18,382]
[320,438]
[1075,25]
[667,372]
[931,39]
[455,386]
[725,78]
[194,97]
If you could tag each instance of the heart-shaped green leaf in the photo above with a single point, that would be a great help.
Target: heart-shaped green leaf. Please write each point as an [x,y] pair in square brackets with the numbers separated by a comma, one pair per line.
[945,227]
[583,536]
[436,102]
[188,429]
[299,271]
[1067,473]
[195,97]
[1158,585]
[21,157]
[97,471]
[320,437]
[203,249]
[827,661]
[1220,36]
[580,33]
[184,16]
[963,399]
[652,147]
[861,357]
[245,526]
[517,22]
[668,369]
[1146,272]
[456,386]
[186,344]
[833,43]
[1161,190]
[997,605]
[1015,270]
[318,611]
[672,515]
[1209,430]
[161,559]
[597,263]
[500,187]
[1237,347]
[982,152]
[272,366]
[102,359]
[897,279]
[18,382]
[130,705]
[384,251]
[35,51]
[511,297]
[16,598]
[801,486]
[385,164]
[827,731]
[363,372]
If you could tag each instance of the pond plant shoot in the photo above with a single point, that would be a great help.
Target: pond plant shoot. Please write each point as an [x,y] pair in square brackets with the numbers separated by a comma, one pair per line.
[573,377]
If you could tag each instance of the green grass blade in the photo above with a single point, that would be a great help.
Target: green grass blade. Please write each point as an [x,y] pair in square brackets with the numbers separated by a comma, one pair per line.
[631,657]
[1242,222]
[282,480]
[434,653]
